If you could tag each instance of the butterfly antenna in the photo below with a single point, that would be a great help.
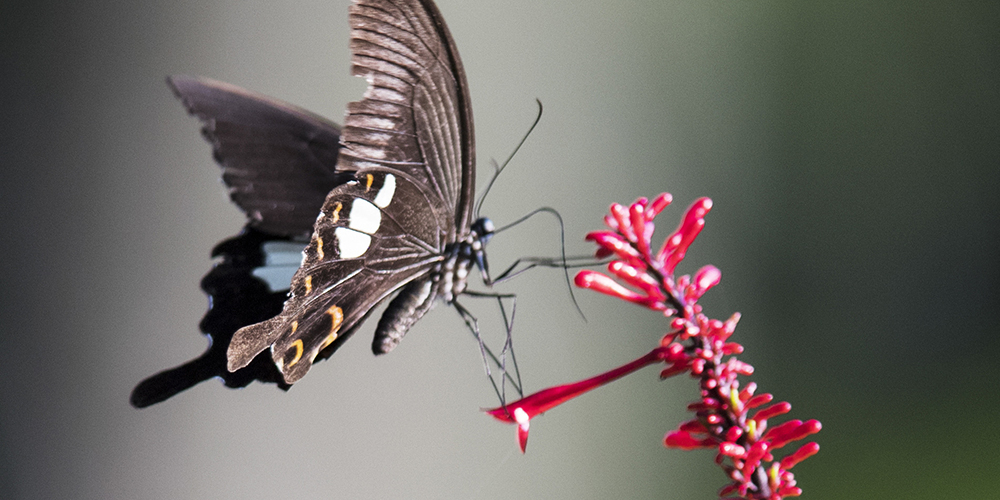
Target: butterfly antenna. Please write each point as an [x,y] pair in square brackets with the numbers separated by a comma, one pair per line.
[562,243]
[497,170]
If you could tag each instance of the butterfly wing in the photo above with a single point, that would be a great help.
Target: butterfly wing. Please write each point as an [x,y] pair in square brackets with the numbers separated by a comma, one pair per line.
[362,251]
[238,298]
[278,161]
[416,115]
[413,132]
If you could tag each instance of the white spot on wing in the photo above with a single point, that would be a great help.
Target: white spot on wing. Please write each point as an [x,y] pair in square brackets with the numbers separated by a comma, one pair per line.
[278,253]
[351,244]
[281,260]
[388,189]
[365,217]
[276,277]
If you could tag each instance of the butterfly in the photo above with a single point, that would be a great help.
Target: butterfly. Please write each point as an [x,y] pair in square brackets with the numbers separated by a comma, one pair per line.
[386,203]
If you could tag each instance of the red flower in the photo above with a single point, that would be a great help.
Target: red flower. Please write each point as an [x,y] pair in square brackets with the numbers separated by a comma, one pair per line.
[523,410]
[732,420]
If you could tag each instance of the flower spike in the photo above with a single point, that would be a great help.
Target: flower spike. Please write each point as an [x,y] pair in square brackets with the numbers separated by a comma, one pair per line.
[730,419]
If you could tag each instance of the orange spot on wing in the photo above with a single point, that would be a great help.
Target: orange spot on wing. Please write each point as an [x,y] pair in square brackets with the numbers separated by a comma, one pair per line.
[337,317]
[298,350]
[336,212]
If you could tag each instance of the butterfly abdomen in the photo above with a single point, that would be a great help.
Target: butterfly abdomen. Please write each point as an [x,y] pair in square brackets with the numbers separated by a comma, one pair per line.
[413,301]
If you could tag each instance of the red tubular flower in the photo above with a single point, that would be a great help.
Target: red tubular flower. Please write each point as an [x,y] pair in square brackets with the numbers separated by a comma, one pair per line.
[616,244]
[659,203]
[601,283]
[675,247]
[807,450]
[694,344]
[523,410]
[686,441]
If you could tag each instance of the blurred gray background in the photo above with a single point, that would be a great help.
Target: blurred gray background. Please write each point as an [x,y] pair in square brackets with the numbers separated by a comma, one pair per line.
[852,150]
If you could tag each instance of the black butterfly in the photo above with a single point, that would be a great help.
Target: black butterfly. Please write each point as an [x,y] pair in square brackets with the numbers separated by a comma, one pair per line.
[395,204]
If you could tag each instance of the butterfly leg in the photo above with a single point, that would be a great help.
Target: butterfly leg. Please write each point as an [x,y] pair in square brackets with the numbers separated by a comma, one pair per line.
[564,263]
[501,362]
[509,327]
[533,262]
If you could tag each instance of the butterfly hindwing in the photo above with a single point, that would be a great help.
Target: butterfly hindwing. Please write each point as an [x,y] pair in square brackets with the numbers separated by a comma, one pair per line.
[278,163]
[278,160]
[237,298]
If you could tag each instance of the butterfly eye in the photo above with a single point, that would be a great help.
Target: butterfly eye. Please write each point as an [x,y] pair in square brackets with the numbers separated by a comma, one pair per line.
[483,228]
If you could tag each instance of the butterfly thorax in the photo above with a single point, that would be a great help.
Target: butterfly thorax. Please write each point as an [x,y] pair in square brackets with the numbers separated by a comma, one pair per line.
[446,280]
[452,275]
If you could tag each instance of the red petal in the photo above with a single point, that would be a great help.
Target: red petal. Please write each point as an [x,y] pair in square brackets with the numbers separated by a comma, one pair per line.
[704,279]
[807,450]
[693,426]
[637,278]
[772,411]
[522,436]
[685,441]
[643,230]
[620,214]
[616,243]
[676,245]
[545,399]
[658,204]
[732,450]
[604,284]
[758,400]
[791,431]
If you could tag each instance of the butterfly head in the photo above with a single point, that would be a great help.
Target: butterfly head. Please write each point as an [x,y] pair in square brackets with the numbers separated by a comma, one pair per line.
[482,229]
[480,233]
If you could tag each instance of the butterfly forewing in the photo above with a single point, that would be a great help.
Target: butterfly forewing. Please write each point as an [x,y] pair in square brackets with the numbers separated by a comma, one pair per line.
[416,111]
[364,247]
[409,144]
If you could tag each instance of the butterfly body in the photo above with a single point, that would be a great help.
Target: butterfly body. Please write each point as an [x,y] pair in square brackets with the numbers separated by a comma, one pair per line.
[446,280]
